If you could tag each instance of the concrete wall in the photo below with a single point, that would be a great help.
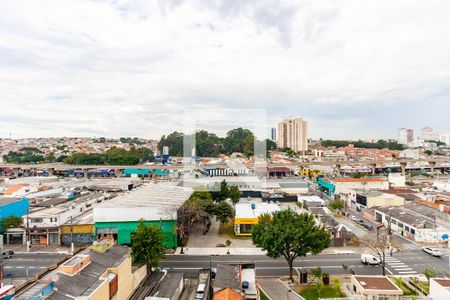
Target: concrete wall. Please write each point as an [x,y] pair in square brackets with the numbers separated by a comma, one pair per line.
[385,200]
[78,239]
[125,229]
[139,275]
[375,185]
[125,280]
[437,292]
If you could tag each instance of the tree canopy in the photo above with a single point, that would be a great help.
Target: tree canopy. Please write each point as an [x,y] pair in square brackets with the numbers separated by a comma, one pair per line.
[11,222]
[208,144]
[114,156]
[290,235]
[380,144]
[147,245]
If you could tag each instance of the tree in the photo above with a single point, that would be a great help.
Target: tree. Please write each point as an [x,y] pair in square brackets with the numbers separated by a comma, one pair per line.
[379,245]
[147,245]
[290,235]
[236,139]
[223,212]
[234,194]
[428,152]
[175,143]
[337,205]
[11,222]
[228,244]
[223,191]
[189,215]
[429,272]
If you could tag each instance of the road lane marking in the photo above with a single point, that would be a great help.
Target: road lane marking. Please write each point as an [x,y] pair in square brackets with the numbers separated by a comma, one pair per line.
[408,272]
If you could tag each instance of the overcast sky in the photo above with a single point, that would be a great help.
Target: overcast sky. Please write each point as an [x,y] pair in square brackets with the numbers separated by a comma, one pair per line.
[353,69]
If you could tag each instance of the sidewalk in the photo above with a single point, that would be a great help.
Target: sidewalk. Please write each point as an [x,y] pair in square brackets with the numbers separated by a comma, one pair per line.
[220,251]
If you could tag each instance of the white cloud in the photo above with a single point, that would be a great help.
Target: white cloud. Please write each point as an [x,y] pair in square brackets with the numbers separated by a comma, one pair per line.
[118,68]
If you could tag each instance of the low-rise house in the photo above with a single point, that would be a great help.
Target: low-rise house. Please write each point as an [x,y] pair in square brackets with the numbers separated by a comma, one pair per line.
[336,186]
[411,224]
[248,214]
[239,278]
[45,223]
[311,201]
[366,287]
[96,273]
[361,200]
[439,288]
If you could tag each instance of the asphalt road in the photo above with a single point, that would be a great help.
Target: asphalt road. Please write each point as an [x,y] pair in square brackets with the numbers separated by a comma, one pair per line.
[404,263]
[31,263]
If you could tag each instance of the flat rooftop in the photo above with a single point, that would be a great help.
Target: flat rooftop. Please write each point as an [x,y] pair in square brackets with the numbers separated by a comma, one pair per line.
[362,179]
[8,200]
[406,216]
[377,283]
[150,195]
[245,210]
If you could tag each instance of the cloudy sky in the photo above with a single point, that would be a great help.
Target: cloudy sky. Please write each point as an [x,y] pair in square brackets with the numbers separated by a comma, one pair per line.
[354,69]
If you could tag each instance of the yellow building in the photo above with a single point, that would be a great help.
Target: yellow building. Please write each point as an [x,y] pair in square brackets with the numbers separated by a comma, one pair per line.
[248,214]
[111,263]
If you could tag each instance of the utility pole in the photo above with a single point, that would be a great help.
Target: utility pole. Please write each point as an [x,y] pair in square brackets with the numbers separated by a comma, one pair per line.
[28,231]
[71,235]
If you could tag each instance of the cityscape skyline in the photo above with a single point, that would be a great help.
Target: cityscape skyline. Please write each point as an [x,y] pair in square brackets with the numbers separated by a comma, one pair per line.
[348,67]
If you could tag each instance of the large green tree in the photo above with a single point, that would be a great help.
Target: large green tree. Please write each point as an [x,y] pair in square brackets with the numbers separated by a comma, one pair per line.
[223,212]
[11,222]
[290,235]
[234,194]
[221,191]
[147,245]
[174,141]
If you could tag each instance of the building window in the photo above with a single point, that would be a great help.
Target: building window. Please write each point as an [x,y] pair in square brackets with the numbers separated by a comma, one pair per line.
[406,228]
[413,231]
[36,220]
[400,225]
[245,228]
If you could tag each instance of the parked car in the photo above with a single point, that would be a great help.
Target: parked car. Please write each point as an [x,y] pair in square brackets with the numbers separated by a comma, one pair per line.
[360,221]
[7,254]
[200,291]
[352,217]
[369,259]
[432,251]
[368,227]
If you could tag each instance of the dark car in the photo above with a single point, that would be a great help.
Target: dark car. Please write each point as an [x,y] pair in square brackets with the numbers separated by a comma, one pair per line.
[360,222]
[368,227]
[7,254]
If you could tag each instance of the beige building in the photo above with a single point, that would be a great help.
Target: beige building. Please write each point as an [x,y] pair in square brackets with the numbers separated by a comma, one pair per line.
[375,288]
[293,133]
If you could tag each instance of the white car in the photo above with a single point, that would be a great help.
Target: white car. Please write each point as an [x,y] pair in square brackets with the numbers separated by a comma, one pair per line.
[200,292]
[432,251]
[369,259]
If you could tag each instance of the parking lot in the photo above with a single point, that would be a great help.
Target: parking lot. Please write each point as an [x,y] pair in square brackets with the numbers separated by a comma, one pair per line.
[28,265]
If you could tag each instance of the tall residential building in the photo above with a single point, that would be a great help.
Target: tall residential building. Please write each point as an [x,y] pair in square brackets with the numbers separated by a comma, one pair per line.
[273,134]
[405,136]
[429,134]
[293,133]
[445,138]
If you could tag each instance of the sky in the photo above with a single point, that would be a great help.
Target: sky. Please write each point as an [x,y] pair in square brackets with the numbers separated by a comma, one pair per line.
[353,69]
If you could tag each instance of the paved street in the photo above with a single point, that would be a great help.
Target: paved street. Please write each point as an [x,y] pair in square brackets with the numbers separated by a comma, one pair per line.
[23,264]
[405,263]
